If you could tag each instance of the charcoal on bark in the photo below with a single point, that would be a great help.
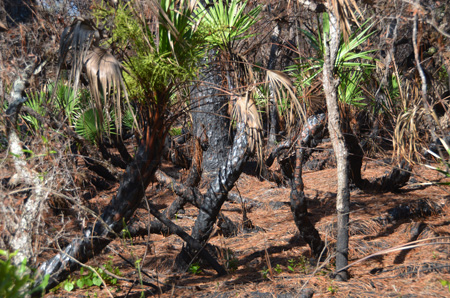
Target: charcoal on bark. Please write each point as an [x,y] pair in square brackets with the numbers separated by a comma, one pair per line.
[217,193]
[129,196]
[299,202]
[397,178]
[209,115]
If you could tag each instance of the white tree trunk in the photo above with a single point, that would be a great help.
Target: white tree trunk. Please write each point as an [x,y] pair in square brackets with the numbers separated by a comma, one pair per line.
[22,229]
[330,84]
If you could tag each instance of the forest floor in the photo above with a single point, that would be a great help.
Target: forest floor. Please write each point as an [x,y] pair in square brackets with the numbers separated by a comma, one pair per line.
[271,260]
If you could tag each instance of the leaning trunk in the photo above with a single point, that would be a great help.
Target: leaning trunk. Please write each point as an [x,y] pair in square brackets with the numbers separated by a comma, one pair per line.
[129,196]
[217,193]
[330,84]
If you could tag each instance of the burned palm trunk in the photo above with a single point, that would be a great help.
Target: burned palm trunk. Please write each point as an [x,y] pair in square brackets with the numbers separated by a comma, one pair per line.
[209,116]
[217,192]
[129,196]
[291,167]
[299,207]
[188,239]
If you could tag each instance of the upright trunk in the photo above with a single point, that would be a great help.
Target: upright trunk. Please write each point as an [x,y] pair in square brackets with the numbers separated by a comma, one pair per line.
[209,115]
[330,84]
[273,118]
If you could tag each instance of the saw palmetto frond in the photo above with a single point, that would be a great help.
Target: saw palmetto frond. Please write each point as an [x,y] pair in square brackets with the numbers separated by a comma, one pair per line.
[105,82]
[76,39]
[284,92]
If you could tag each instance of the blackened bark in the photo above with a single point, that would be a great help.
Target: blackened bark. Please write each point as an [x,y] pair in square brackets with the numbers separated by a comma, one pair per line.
[330,84]
[18,11]
[118,143]
[217,193]
[314,126]
[129,196]
[114,159]
[393,181]
[188,239]
[299,207]
[273,125]
[218,189]
[185,193]
[210,115]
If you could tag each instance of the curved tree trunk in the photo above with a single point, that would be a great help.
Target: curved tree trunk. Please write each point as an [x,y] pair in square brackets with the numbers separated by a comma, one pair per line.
[299,201]
[330,84]
[216,194]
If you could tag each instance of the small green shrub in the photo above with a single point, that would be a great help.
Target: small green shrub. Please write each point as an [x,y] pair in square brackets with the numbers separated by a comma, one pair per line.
[195,268]
[445,283]
[17,281]
[90,279]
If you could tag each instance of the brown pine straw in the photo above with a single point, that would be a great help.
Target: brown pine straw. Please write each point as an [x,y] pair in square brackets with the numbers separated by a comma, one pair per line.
[408,245]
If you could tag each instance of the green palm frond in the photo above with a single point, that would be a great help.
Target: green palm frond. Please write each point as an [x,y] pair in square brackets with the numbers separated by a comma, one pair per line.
[90,124]
[66,100]
[349,90]
[36,101]
[349,61]
[165,53]
[226,21]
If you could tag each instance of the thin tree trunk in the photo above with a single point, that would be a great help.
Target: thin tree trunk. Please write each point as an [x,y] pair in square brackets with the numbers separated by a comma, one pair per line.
[25,225]
[273,120]
[299,202]
[330,84]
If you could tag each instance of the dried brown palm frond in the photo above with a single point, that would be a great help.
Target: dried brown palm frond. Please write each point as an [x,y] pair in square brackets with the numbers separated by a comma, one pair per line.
[283,88]
[105,80]
[245,111]
[103,70]
[406,134]
[346,10]
[76,39]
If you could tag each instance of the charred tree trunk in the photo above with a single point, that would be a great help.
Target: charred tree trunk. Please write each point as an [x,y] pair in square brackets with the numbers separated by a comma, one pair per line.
[393,181]
[299,204]
[217,193]
[330,84]
[129,196]
[273,118]
[210,116]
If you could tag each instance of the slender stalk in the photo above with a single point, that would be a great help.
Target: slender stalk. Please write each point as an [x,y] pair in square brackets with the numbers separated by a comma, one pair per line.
[330,84]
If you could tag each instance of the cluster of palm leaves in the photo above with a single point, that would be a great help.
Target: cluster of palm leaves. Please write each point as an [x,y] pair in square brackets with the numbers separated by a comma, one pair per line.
[162,44]
[352,66]
[72,108]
